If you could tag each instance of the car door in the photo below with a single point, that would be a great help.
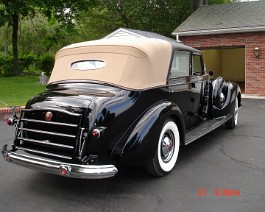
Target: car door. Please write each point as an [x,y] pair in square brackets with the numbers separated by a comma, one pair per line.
[196,80]
[179,84]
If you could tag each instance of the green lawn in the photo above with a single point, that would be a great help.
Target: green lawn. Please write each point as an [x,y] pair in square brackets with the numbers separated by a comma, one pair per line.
[16,91]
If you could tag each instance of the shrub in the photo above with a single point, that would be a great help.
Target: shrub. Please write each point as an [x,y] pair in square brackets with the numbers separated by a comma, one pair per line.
[46,63]
[6,66]
[28,65]
[32,70]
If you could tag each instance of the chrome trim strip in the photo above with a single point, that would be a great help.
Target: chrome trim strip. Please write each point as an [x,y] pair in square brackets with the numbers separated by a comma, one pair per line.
[55,167]
[177,83]
[52,109]
[46,132]
[49,122]
[45,143]
[43,153]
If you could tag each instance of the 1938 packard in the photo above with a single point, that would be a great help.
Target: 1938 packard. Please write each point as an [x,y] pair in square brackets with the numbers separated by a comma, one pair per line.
[131,98]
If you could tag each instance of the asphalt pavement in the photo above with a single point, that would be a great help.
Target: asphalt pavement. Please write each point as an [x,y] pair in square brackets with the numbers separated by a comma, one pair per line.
[222,171]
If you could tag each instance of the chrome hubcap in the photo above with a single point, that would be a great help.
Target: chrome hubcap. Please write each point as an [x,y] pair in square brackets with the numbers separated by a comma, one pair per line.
[167,146]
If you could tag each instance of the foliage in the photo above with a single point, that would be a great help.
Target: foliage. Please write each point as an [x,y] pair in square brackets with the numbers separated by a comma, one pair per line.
[29,64]
[46,63]
[18,90]
[158,15]
[96,23]
[195,4]
[46,26]
[6,65]
[38,36]
[61,10]
[10,12]
[9,8]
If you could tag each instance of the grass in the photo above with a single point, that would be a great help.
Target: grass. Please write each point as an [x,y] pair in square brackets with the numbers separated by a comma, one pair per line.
[16,91]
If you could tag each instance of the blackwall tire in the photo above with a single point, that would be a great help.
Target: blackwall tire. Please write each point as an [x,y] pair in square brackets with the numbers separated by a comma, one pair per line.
[232,123]
[167,150]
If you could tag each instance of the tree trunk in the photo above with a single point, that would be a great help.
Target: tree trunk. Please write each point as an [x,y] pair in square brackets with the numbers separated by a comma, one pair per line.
[14,43]
[6,40]
[195,4]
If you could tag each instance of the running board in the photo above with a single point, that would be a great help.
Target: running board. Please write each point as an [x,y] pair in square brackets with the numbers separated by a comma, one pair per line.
[204,128]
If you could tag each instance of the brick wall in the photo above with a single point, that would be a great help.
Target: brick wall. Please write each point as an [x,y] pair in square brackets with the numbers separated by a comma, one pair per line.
[255,67]
[5,113]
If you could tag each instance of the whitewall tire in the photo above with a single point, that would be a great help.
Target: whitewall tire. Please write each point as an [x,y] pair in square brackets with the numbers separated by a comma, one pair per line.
[232,123]
[167,150]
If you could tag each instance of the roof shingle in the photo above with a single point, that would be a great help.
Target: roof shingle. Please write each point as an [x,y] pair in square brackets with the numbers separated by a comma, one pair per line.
[224,18]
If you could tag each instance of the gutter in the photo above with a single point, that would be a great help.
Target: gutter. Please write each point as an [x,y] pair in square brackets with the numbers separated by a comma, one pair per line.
[219,31]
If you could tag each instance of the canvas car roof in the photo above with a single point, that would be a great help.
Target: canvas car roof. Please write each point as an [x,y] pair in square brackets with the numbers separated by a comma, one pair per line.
[131,60]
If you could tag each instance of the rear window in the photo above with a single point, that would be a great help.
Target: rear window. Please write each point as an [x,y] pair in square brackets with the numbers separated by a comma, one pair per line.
[85,65]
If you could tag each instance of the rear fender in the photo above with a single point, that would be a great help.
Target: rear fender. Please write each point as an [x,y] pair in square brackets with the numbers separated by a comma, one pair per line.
[139,144]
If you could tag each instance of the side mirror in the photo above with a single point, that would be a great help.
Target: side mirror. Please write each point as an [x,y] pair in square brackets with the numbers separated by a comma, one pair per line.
[211,73]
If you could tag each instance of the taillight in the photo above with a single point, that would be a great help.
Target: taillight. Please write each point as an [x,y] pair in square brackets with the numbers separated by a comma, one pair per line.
[63,171]
[5,156]
[96,133]
[10,121]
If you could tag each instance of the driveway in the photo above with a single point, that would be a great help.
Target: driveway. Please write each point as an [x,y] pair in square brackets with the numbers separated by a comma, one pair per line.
[222,171]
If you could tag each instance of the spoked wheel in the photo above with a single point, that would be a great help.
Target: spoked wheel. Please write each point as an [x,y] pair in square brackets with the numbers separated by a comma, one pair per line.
[167,150]
[232,123]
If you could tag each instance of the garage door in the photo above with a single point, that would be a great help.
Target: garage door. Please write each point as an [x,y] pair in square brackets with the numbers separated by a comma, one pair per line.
[226,62]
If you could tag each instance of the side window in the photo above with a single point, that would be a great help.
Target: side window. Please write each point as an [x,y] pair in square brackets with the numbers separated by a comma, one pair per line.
[180,64]
[196,65]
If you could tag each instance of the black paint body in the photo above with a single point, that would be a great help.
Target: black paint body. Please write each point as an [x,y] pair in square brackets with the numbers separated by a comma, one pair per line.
[129,120]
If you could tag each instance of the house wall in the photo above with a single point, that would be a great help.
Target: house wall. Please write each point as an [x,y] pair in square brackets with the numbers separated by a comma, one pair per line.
[254,67]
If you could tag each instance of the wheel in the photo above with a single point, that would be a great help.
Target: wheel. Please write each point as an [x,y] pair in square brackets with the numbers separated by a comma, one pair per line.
[167,150]
[232,123]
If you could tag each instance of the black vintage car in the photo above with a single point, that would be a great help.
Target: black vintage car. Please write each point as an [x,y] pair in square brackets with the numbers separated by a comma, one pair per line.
[130,98]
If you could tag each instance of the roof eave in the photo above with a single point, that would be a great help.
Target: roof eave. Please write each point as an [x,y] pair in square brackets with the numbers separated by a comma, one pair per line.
[220,31]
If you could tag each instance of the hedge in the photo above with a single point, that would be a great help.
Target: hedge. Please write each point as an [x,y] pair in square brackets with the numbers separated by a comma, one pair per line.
[28,65]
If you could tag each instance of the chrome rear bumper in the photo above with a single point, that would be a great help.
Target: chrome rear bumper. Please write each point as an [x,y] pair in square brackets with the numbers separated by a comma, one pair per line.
[59,168]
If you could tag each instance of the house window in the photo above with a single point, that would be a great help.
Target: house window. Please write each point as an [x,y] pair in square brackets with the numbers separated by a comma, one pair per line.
[180,64]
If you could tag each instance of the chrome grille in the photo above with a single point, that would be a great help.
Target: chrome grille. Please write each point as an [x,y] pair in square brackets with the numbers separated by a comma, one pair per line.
[57,138]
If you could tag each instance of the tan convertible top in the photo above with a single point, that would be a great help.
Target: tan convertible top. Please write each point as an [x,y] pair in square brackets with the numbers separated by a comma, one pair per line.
[134,62]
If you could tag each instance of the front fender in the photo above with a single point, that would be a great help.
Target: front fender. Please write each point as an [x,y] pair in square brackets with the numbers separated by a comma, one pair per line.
[139,144]
[223,105]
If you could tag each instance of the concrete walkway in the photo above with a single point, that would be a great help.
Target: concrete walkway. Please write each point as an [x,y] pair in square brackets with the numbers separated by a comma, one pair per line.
[247,96]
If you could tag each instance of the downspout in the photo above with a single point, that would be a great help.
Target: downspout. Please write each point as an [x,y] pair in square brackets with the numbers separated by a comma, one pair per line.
[177,39]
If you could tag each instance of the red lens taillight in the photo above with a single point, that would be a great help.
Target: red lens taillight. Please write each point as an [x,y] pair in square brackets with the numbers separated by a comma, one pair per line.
[96,133]
[64,171]
[10,121]
[6,156]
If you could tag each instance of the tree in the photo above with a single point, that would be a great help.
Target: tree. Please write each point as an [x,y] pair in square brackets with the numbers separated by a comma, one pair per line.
[12,11]
[159,16]
[195,4]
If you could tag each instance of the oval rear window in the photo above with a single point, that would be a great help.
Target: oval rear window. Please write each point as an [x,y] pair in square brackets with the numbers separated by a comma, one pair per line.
[88,65]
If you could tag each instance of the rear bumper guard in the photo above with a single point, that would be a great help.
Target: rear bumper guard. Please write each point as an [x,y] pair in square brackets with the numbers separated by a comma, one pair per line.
[59,168]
